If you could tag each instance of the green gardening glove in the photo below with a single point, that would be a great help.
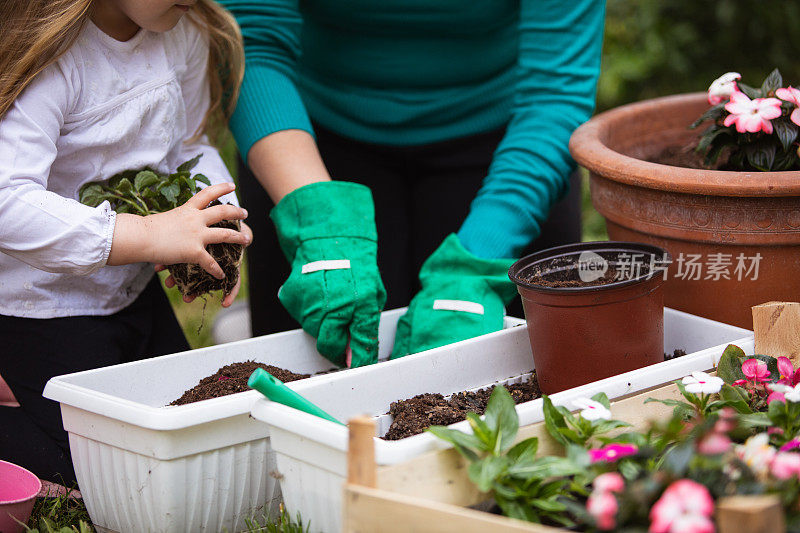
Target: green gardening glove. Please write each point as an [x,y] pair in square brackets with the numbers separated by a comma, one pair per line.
[327,232]
[462,296]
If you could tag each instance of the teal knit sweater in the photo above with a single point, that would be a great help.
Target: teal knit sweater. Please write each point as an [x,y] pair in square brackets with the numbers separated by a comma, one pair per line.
[406,72]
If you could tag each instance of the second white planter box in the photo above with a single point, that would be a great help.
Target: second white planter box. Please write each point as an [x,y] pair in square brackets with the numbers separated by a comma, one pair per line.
[311,452]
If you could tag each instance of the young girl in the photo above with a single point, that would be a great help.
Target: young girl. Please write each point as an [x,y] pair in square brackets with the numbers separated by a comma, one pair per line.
[89,88]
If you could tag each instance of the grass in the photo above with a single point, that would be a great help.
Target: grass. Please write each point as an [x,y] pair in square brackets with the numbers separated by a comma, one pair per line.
[60,514]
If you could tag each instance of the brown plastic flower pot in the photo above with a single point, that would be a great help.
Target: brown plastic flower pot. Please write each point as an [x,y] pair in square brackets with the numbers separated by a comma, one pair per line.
[584,332]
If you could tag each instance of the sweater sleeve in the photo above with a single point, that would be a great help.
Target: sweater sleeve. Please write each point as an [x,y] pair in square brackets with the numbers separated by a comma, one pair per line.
[268,100]
[38,226]
[197,99]
[558,66]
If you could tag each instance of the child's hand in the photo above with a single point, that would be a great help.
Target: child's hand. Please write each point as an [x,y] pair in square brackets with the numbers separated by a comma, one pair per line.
[169,282]
[179,235]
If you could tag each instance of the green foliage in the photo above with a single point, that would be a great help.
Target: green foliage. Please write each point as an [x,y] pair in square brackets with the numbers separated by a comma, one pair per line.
[660,48]
[60,514]
[145,192]
[567,428]
[284,524]
[524,486]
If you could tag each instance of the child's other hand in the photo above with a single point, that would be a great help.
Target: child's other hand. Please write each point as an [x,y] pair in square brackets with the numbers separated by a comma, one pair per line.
[169,282]
[179,235]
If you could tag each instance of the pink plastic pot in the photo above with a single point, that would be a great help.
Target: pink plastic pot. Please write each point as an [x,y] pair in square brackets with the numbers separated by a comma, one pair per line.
[18,490]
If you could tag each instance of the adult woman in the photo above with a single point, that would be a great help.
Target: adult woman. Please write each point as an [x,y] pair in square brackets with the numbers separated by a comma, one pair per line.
[455,114]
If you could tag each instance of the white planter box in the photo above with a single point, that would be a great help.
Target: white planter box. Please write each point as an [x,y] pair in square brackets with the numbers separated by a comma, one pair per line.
[204,466]
[311,452]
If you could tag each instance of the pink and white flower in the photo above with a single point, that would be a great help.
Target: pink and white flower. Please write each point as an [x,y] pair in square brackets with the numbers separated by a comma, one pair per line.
[757,454]
[702,383]
[603,507]
[610,482]
[714,444]
[612,452]
[785,465]
[752,115]
[790,94]
[685,506]
[591,409]
[790,394]
[721,88]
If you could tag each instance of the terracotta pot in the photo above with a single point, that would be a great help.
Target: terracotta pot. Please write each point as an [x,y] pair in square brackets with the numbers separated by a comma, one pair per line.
[750,218]
[580,334]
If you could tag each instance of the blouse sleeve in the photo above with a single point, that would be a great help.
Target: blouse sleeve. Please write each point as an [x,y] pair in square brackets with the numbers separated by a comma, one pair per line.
[558,65]
[37,226]
[269,100]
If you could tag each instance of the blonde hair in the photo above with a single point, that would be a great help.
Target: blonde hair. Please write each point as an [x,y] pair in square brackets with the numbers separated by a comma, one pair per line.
[35,33]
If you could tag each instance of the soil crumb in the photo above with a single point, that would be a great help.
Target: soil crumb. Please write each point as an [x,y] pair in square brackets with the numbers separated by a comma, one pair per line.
[674,355]
[415,415]
[231,379]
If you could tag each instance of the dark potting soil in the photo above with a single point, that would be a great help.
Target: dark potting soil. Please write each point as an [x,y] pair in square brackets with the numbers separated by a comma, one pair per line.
[686,156]
[569,278]
[417,414]
[192,280]
[674,355]
[231,379]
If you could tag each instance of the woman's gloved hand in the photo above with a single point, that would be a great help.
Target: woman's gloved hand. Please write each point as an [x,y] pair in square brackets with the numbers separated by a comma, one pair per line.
[327,232]
[462,296]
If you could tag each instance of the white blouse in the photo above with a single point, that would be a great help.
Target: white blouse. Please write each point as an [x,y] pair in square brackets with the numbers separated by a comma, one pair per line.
[105,106]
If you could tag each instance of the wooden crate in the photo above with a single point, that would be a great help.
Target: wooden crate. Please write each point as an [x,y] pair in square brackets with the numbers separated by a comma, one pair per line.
[432,493]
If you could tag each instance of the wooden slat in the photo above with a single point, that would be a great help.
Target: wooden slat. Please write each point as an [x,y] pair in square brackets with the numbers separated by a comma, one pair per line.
[361,451]
[442,475]
[377,511]
[750,514]
[776,326]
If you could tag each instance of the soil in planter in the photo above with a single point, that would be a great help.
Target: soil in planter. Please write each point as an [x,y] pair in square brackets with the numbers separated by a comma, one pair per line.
[417,414]
[192,280]
[568,278]
[686,156]
[231,379]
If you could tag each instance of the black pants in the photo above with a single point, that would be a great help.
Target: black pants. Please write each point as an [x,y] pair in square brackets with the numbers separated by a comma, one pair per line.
[422,194]
[34,350]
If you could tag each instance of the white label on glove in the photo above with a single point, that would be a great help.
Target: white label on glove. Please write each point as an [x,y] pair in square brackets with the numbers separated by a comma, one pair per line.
[458,305]
[330,264]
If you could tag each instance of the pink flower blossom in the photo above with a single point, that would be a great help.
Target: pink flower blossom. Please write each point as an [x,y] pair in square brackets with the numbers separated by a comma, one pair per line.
[790,94]
[755,370]
[722,87]
[774,431]
[776,396]
[682,507]
[791,445]
[714,444]
[789,376]
[752,115]
[603,507]
[609,482]
[727,420]
[785,465]
[612,452]
[692,524]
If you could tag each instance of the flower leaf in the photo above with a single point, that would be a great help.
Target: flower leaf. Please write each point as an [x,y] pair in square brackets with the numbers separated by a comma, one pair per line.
[750,92]
[145,179]
[484,471]
[553,420]
[501,417]
[729,367]
[170,192]
[202,178]
[190,164]
[677,458]
[786,131]
[603,399]
[713,113]
[92,194]
[464,443]
[761,156]
[524,450]
[773,81]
